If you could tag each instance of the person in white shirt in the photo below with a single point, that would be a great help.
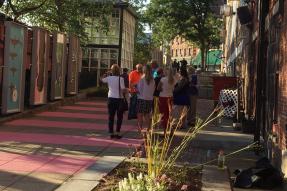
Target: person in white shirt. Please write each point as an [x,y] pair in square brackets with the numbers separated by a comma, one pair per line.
[146,88]
[115,96]
[166,87]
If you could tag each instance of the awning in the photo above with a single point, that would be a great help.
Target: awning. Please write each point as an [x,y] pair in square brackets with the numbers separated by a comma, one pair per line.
[214,58]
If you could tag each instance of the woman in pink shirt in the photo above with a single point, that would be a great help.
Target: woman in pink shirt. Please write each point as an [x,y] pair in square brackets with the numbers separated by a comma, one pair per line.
[166,87]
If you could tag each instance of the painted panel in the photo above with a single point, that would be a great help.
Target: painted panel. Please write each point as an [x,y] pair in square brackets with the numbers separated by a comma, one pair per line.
[39,69]
[2,39]
[58,66]
[73,63]
[14,68]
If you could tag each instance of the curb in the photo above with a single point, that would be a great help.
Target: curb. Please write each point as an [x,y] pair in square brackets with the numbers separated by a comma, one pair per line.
[90,177]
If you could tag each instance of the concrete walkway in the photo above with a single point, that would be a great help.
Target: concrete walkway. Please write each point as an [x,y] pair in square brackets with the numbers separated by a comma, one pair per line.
[220,135]
[63,149]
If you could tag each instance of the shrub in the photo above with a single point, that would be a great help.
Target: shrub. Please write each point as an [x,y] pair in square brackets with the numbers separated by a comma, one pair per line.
[98,92]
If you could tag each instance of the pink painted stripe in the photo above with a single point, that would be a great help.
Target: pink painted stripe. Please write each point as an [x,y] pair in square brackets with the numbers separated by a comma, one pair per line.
[64,124]
[103,109]
[4,156]
[73,115]
[69,140]
[41,163]
[103,103]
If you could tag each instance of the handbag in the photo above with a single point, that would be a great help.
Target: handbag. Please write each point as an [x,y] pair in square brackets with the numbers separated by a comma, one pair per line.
[123,105]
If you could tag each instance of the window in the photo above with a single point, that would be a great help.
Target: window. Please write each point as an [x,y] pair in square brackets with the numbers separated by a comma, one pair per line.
[176,52]
[96,58]
[116,13]
[184,54]
[101,37]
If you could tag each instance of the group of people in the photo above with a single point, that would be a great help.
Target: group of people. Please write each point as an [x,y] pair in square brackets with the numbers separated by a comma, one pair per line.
[176,65]
[170,90]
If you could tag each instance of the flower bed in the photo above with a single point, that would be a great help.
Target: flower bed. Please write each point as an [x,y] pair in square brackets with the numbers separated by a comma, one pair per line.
[178,178]
[160,171]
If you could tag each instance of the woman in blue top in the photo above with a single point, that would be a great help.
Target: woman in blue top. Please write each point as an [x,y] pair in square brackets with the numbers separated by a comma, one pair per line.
[181,101]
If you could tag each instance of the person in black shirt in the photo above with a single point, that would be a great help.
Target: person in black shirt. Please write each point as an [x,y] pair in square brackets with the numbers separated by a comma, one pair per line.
[156,91]
[175,65]
[125,75]
[157,80]
[183,63]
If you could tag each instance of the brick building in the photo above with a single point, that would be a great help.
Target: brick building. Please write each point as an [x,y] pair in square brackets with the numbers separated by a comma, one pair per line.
[180,48]
[255,49]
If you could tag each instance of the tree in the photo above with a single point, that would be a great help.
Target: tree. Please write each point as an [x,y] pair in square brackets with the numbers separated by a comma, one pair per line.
[191,19]
[18,8]
[143,48]
[60,15]
[143,42]
[71,16]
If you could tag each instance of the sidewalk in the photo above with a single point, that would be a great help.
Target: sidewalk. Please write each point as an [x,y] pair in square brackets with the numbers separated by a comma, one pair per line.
[215,137]
[41,152]
[69,149]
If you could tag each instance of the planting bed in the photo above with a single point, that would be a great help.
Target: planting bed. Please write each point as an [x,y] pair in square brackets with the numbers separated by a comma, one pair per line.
[178,176]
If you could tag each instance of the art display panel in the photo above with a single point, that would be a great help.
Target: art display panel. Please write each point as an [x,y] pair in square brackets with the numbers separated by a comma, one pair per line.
[14,68]
[73,65]
[39,69]
[58,66]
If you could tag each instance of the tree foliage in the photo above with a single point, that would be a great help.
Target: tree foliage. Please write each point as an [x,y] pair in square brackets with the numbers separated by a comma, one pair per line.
[71,16]
[18,8]
[143,43]
[191,19]
[60,15]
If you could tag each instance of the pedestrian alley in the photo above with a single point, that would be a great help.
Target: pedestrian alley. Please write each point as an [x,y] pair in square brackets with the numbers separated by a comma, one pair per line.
[43,151]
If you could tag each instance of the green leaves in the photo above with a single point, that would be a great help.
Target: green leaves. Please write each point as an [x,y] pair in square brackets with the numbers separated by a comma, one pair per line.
[61,15]
[191,19]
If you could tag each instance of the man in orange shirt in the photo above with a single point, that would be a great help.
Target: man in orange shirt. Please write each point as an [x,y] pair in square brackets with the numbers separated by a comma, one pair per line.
[134,78]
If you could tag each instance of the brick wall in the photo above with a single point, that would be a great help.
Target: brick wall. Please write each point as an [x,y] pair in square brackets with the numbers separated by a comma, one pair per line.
[282,95]
[249,68]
